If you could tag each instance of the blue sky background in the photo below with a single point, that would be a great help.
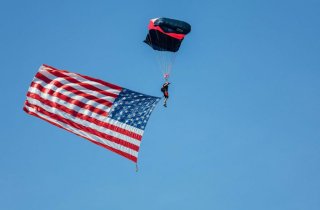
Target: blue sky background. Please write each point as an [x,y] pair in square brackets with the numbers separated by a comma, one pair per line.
[241,130]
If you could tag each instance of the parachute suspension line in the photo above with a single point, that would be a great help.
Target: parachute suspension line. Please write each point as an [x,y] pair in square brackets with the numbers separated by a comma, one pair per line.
[160,57]
[167,58]
[157,56]
[163,63]
[137,169]
[170,59]
[166,61]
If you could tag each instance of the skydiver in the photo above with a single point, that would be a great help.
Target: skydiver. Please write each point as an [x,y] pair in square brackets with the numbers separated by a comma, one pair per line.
[165,92]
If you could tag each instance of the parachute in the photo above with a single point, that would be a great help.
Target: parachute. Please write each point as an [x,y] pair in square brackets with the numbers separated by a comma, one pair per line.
[165,37]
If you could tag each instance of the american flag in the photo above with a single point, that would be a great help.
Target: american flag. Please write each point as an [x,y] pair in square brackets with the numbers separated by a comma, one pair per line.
[105,114]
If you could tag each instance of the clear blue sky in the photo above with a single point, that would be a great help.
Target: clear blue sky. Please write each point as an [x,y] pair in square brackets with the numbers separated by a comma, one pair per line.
[242,127]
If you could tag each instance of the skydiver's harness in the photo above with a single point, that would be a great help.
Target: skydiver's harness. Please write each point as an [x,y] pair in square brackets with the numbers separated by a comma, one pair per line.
[164,89]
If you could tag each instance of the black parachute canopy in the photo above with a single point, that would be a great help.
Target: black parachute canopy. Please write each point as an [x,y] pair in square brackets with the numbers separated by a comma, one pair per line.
[166,34]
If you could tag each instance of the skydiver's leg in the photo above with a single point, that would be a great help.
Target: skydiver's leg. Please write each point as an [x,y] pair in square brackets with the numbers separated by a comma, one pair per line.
[166,96]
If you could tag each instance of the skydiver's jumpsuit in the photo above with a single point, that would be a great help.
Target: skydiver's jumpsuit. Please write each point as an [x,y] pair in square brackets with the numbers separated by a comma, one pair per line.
[164,89]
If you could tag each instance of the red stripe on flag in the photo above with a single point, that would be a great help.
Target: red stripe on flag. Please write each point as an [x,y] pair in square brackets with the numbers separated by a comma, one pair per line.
[126,155]
[115,87]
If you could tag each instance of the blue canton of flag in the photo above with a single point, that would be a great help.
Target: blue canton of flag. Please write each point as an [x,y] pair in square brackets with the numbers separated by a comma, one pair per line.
[133,108]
